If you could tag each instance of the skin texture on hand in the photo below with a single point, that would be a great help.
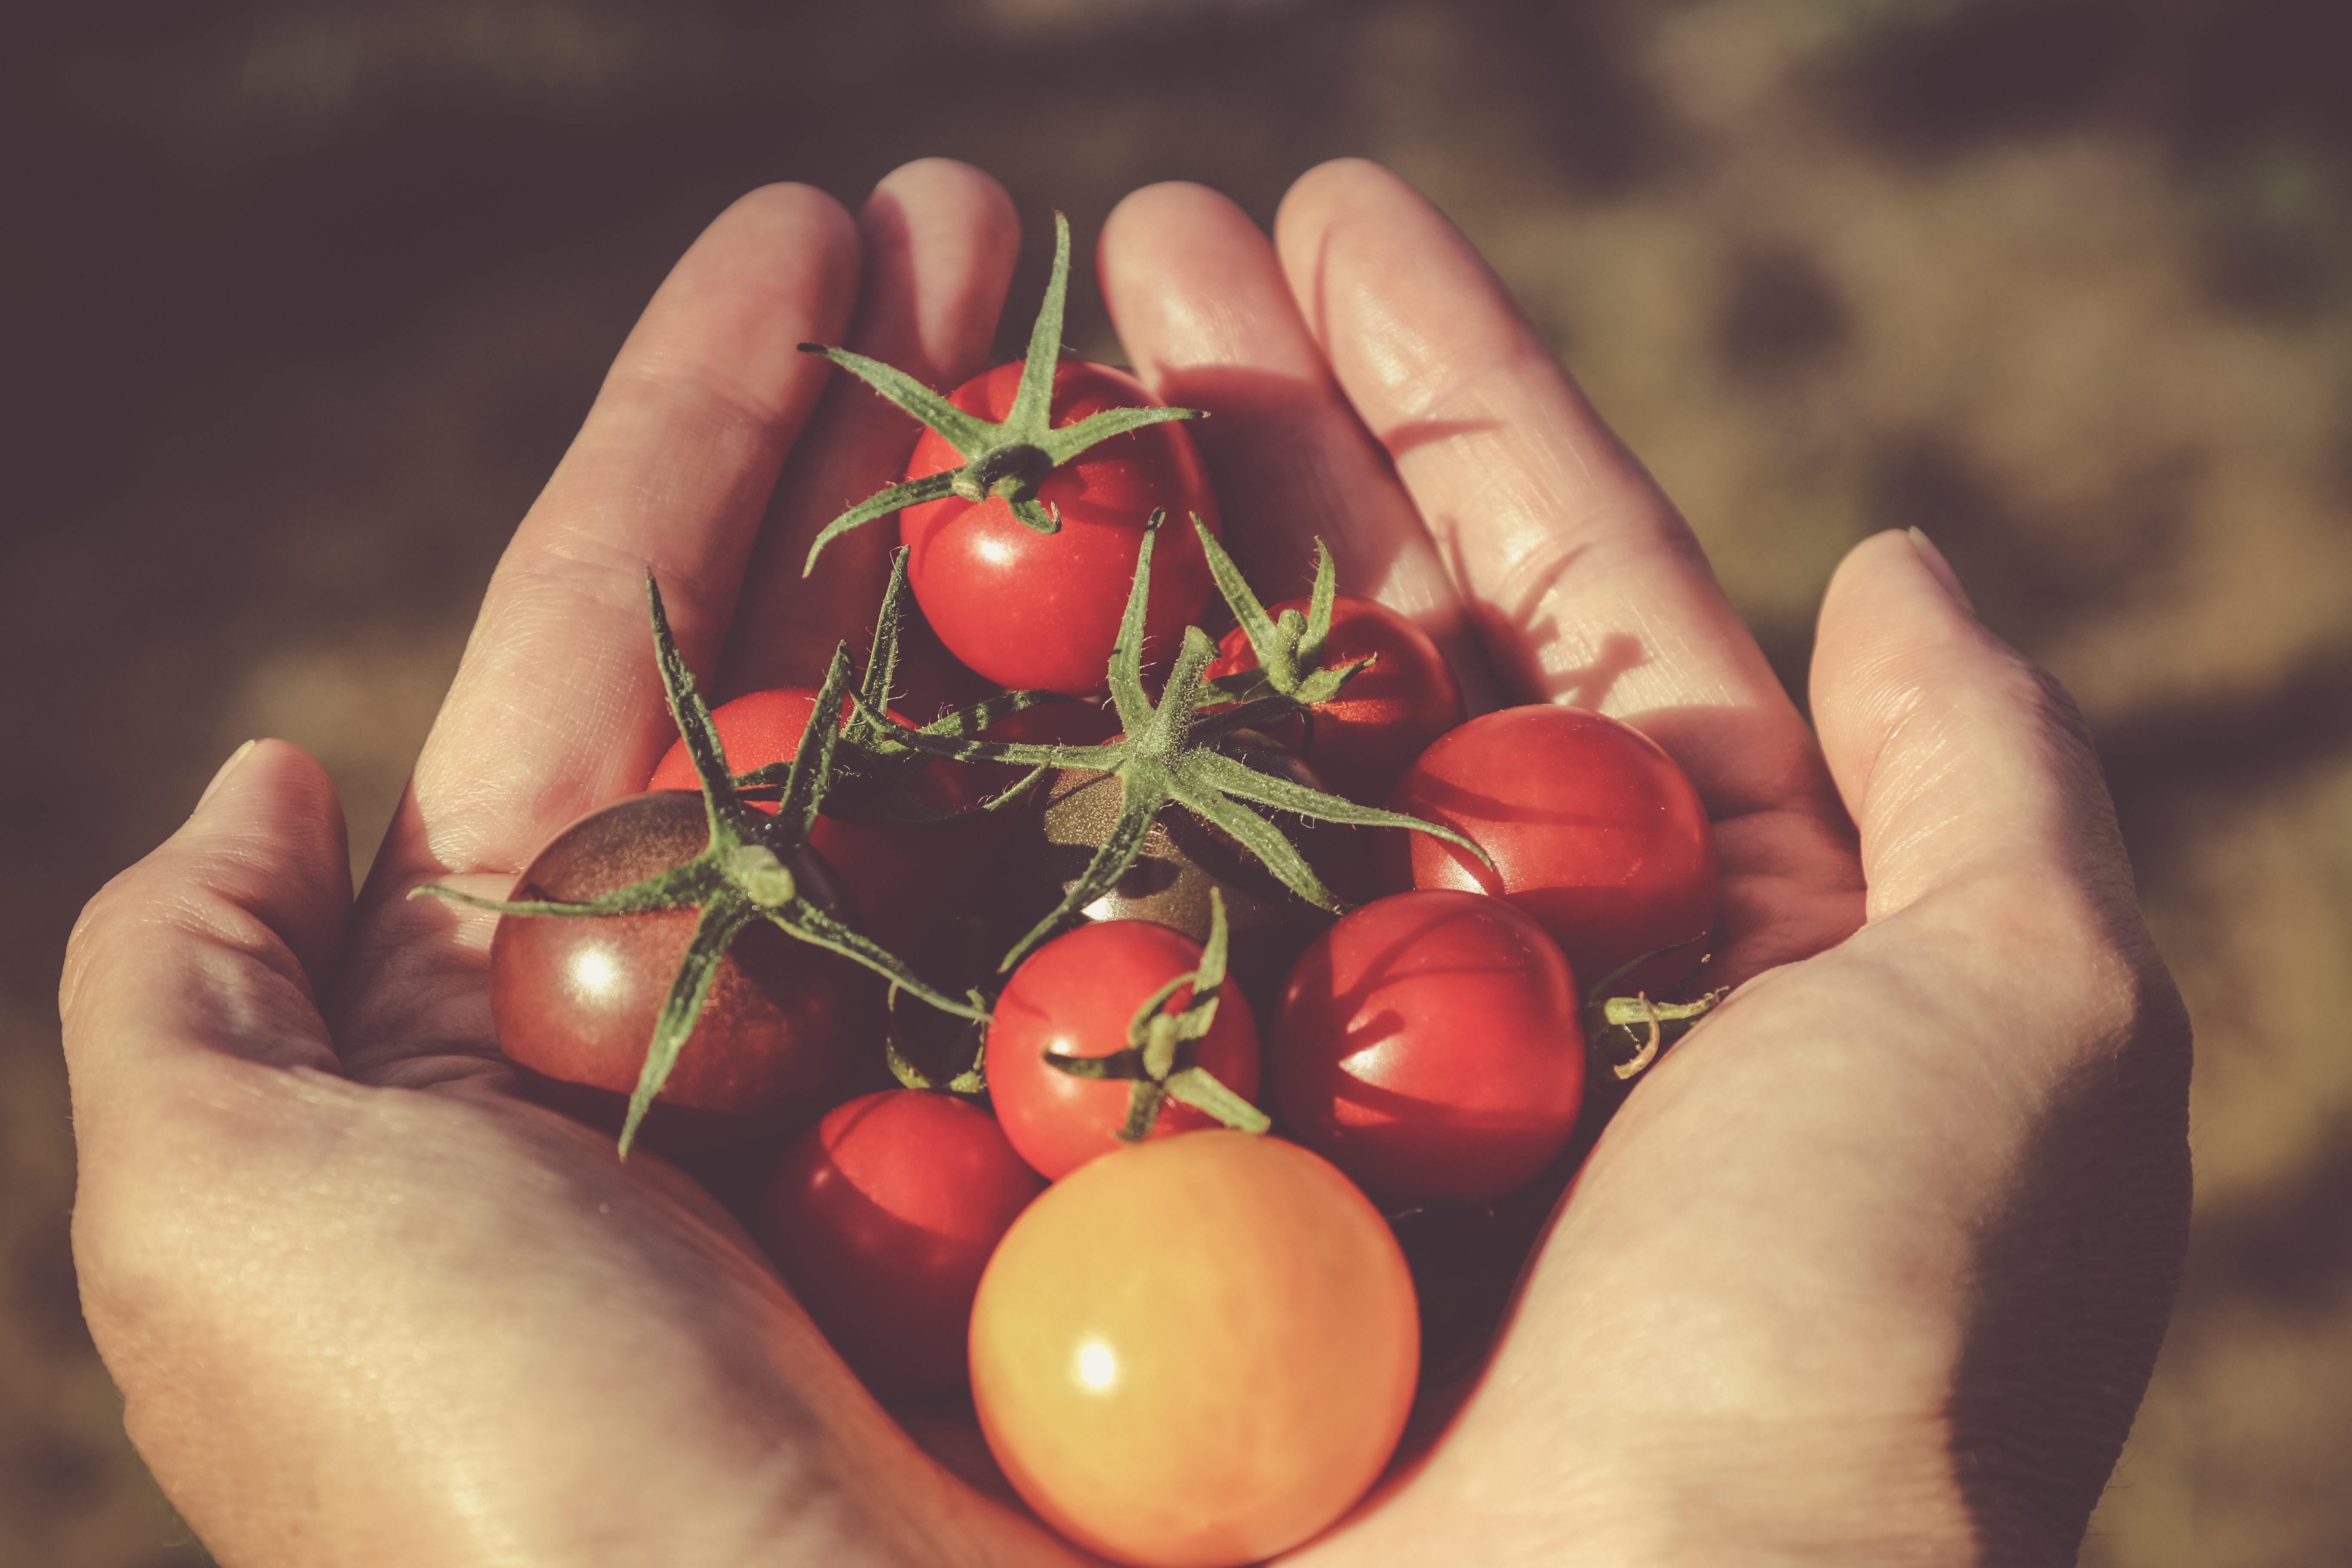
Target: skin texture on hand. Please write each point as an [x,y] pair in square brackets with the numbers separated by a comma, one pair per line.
[1871,1268]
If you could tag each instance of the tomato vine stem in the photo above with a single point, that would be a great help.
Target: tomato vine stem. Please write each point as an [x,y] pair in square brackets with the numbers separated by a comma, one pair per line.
[1653,1026]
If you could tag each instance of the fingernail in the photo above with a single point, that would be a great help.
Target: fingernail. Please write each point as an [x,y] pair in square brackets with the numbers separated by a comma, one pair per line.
[1933,559]
[226,768]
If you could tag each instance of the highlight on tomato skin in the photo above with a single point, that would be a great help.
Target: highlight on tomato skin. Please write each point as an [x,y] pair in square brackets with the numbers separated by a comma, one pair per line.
[882,1216]
[1430,1046]
[1035,610]
[1593,830]
[1195,1353]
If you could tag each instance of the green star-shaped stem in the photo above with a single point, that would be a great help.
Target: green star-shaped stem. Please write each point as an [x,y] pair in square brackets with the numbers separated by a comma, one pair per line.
[1007,460]
[1160,1061]
[744,875]
[1290,674]
[1169,754]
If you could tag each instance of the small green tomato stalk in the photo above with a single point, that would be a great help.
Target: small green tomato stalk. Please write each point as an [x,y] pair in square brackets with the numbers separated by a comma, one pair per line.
[936,1052]
[1290,676]
[744,875]
[1159,1064]
[1006,461]
[1169,754]
[967,1083]
[1649,1025]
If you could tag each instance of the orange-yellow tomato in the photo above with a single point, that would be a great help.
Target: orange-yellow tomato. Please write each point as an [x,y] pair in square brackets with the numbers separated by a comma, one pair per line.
[1195,1353]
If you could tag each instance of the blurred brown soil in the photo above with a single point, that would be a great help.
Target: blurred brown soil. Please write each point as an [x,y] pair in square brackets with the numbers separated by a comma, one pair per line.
[300,304]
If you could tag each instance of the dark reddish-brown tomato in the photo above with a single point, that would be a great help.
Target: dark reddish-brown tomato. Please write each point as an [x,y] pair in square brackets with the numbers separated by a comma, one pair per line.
[1185,856]
[575,997]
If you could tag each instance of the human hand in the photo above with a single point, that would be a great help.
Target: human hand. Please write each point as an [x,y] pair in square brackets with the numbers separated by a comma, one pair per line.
[1875,1260]
[1872,1267]
[366,1304]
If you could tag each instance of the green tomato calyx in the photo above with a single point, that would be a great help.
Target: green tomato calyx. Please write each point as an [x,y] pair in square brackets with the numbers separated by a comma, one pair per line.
[1170,752]
[1158,1063]
[1003,460]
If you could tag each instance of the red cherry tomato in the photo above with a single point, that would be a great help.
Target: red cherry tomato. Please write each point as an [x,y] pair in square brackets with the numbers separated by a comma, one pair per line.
[1593,830]
[1384,717]
[900,873]
[575,997]
[883,1215]
[1034,610]
[761,728]
[1073,997]
[1429,1046]
[1195,1353]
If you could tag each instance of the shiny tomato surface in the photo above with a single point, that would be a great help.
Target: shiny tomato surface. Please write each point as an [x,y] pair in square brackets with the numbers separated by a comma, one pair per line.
[1592,828]
[575,997]
[1428,1045]
[1032,610]
[1073,997]
[1387,714]
[1195,1353]
[882,1216]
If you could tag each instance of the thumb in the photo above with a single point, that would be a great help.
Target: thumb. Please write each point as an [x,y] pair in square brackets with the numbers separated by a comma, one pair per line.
[1956,758]
[217,940]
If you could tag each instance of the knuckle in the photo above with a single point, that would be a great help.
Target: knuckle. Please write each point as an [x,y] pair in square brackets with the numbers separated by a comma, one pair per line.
[2087,958]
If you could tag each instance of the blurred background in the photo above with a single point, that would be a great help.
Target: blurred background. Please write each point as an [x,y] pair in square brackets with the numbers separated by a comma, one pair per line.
[299,303]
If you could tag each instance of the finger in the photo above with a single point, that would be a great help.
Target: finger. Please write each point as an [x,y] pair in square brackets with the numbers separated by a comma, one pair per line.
[1959,760]
[212,948]
[557,706]
[1586,586]
[940,240]
[1200,305]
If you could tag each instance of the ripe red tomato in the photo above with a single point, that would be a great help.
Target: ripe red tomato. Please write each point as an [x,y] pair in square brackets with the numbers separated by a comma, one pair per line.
[1196,1353]
[1383,718]
[1035,610]
[1593,830]
[575,997]
[1428,1045]
[1073,997]
[882,1216]
[900,873]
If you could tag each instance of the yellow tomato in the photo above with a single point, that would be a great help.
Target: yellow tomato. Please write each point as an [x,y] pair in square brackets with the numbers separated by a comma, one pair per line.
[1195,1353]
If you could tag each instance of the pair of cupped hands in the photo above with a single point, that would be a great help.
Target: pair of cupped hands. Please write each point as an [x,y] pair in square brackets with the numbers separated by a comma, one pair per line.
[1871,1268]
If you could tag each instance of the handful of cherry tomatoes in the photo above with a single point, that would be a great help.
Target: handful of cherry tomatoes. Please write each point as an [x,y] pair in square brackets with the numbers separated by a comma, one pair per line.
[1180,1040]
